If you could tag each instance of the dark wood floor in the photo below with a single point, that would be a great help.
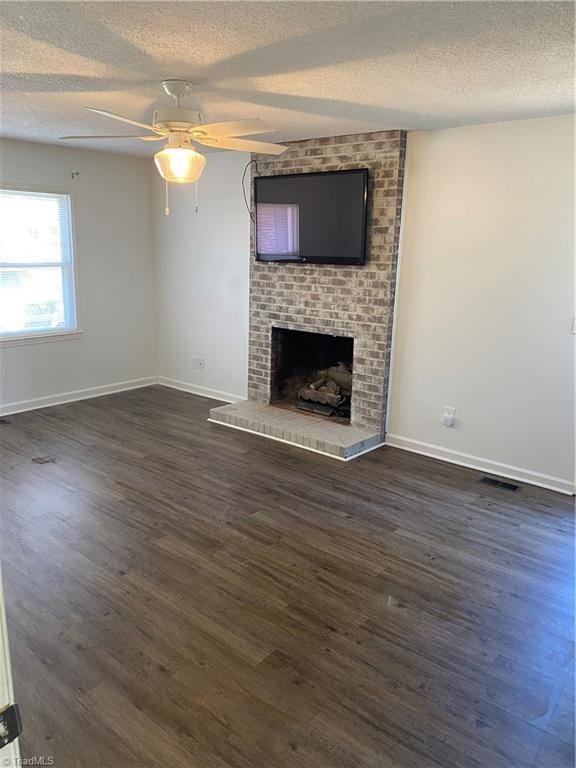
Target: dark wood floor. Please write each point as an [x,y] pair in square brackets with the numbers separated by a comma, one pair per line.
[180,594]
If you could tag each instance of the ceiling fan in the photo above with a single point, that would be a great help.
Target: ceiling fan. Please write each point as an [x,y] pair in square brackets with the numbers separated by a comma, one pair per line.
[179,162]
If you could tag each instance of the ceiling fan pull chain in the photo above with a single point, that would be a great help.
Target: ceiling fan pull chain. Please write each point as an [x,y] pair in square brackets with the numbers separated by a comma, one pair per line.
[166,207]
[196,191]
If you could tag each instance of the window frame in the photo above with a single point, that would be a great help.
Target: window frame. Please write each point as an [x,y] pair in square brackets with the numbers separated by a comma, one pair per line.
[25,337]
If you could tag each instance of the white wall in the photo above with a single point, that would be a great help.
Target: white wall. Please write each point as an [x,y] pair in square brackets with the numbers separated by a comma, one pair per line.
[202,269]
[112,219]
[486,298]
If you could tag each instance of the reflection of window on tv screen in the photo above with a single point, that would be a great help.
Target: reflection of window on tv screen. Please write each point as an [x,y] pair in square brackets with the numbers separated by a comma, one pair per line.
[313,217]
[278,229]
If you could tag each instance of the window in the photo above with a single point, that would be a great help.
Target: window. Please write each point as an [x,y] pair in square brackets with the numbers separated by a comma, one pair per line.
[36,264]
[278,229]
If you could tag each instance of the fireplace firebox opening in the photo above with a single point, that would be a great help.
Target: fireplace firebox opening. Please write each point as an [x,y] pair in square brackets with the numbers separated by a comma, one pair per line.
[312,372]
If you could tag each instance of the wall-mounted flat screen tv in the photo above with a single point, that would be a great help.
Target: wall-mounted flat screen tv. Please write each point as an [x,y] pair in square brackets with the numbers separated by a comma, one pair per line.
[312,218]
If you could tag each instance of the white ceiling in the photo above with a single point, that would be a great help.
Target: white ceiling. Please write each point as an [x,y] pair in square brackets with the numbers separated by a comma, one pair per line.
[307,68]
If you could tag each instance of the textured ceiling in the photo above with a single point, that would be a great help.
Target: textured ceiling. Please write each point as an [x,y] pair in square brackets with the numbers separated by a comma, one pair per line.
[307,68]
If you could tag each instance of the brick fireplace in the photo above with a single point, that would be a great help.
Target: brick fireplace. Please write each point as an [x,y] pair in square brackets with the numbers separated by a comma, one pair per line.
[354,302]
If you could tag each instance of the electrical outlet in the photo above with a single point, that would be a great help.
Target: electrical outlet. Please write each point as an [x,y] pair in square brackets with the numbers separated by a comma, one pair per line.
[198,363]
[449,416]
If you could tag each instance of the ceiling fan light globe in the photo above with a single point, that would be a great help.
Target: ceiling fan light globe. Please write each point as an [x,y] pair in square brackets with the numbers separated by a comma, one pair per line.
[180,165]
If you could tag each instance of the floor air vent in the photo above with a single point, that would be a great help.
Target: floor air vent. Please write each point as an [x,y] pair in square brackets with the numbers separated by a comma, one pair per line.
[493,481]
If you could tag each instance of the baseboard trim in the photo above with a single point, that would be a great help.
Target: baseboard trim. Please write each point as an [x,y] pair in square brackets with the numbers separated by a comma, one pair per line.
[549,482]
[295,445]
[74,395]
[196,389]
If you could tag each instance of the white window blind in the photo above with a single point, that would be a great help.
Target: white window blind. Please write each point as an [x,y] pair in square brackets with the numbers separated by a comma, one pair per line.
[277,229]
[37,294]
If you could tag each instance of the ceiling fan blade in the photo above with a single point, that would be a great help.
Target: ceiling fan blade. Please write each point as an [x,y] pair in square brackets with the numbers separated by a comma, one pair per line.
[124,119]
[124,136]
[234,128]
[243,145]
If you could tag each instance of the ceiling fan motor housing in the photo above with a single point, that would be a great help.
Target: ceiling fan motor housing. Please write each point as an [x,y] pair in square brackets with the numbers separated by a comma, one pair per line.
[176,119]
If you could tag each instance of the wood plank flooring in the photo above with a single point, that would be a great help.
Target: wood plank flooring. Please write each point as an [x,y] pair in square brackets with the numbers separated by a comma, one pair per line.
[180,594]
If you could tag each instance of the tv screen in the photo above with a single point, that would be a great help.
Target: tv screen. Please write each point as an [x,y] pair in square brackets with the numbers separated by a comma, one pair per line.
[316,218]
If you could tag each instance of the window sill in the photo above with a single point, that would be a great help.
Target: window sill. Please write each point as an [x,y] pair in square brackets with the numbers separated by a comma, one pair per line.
[38,338]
